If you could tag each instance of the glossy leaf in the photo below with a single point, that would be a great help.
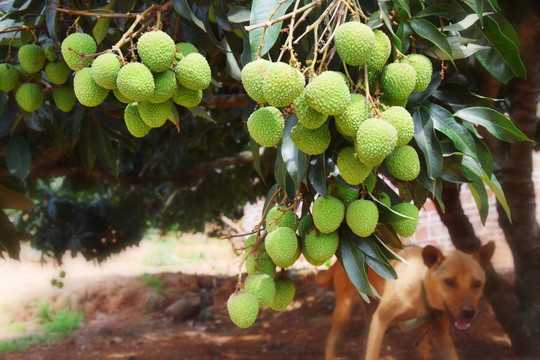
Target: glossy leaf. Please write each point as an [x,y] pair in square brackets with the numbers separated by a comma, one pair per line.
[463,24]
[18,157]
[424,135]
[201,112]
[386,9]
[317,173]
[478,7]
[429,32]
[239,14]
[256,158]
[446,11]
[104,149]
[183,8]
[354,263]
[479,193]
[261,10]
[458,97]
[295,160]
[375,259]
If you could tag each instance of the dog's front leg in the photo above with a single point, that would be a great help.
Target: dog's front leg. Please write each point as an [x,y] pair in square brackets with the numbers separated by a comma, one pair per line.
[443,341]
[341,316]
[378,327]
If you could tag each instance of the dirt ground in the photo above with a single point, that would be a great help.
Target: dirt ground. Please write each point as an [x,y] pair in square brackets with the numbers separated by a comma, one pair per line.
[126,319]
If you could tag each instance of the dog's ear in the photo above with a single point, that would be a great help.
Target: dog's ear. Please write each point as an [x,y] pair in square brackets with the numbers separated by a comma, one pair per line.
[432,256]
[484,254]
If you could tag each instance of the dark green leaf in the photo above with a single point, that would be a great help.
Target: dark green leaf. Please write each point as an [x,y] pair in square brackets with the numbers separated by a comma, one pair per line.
[386,9]
[52,23]
[104,149]
[231,66]
[295,160]
[260,13]
[478,7]
[484,156]
[317,173]
[446,11]
[101,29]
[404,4]
[220,13]
[9,241]
[239,14]
[429,32]
[459,97]
[389,253]
[201,112]
[256,158]
[452,170]
[18,157]
[424,135]
[404,32]
[283,179]
[418,98]
[182,7]
[479,193]
[86,145]
[354,263]
[123,6]
[270,196]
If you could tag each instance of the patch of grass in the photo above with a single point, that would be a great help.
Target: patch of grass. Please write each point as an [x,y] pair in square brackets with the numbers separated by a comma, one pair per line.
[21,343]
[151,281]
[63,323]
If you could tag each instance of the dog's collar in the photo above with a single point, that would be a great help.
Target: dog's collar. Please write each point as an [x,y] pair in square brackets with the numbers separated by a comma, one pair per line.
[431,314]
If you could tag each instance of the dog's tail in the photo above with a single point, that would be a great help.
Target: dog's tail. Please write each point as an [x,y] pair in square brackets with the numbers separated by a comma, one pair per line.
[326,277]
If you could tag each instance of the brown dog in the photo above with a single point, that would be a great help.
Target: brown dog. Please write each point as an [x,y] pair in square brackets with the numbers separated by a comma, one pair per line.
[441,289]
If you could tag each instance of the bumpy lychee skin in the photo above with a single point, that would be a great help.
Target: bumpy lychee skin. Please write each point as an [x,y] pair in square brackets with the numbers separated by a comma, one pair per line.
[406,227]
[250,241]
[328,93]
[187,97]
[320,247]
[354,42]
[243,309]
[183,49]
[81,44]
[402,121]
[262,286]
[156,50]
[307,116]
[343,193]
[398,80]
[155,115]
[266,126]
[134,123]
[424,70]
[403,163]
[64,98]
[193,71]
[362,217]
[305,223]
[50,54]
[282,84]
[87,91]
[374,141]
[282,246]
[350,167]
[328,213]
[279,216]
[135,81]
[348,121]
[253,78]
[9,77]
[57,72]
[29,97]
[285,290]
[105,70]
[385,199]
[311,141]
[120,97]
[259,262]
[380,53]
[31,58]
[165,87]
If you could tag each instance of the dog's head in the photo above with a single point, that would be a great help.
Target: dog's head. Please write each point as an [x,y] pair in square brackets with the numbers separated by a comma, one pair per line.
[455,282]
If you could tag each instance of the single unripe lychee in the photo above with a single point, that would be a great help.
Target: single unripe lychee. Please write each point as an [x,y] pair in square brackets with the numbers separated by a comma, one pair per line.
[354,42]
[57,72]
[282,84]
[320,247]
[362,217]
[187,97]
[156,50]
[328,213]
[74,46]
[262,286]
[155,115]
[350,167]
[9,77]
[31,58]
[165,86]
[343,193]
[50,54]
[193,71]
[375,140]
[282,246]
[348,121]
[266,126]
[403,163]
[64,98]
[328,93]
[183,49]
[304,225]
[406,227]
[105,70]
[424,70]
[279,216]
[243,309]
[398,80]
[253,78]
[311,141]
[134,123]
[29,97]
[87,91]
[284,293]
[380,53]
[135,81]
[402,121]
[307,116]
[259,262]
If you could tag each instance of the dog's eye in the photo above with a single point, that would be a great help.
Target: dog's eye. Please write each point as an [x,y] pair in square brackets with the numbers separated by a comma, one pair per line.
[476,284]
[450,282]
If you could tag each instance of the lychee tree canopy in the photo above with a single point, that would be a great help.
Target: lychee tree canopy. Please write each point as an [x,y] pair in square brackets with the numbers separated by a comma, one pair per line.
[80,181]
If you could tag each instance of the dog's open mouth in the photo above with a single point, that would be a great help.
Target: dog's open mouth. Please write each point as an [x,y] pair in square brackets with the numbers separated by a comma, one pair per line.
[459,323]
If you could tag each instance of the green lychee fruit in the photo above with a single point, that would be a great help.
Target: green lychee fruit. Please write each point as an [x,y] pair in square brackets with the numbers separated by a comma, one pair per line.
[266,126]
[402,121]
[424,70]
[135,82]
[328,213]
[29,97]
[64,97]
[57,72]
[398,80]
[354,42]
[343,193]
[282,246]
[259,262]
[9,77]
[307,116]
[262,286]
[350,167]
[282,84]
[50,54]
[155,115]
[320,247]
[403,163]
[385,199]
[23,74]
[165,86]
[74,46]
[193,71]
[134,123]
[304,225]
[156,50]
[311,141]
[253,78]
[348,121]
[86,90]
[406,227]
[328,93]
[380,53]
[279,216]
[105,70]
[374,141]
[121,97]
[183,49]
[187,97]
[31,58]
[285,290]
[388,102]
[369,183]
[243,309]
[250,241]
[362,217]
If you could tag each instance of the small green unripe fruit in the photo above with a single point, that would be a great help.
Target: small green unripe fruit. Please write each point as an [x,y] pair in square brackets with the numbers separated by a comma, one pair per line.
[250,241]
[282,84]
[87,91]
[380,53]
[64,98]
[424,70]
[354,42]
[31,58]
[304,225]
[50,54]
[187,97]
[362,217]
[320,247]
[194,72]
[262,286]
[259,262]
[402,121]
[328,93]
[385,199]
[121,97]
[307,116]
[328,213]
[374,141]
[165,86]
[266,126]
[155,115]
[403,163]
[282,246]
[348,121]
[23,74]
[156,50]
[350,167]
[57,72]
[284,293]
[135,81]
[243,309]
[29,97]
[183,49]
[9,77]
[74,46]
[398,80]
[134,123]
[253,78]
[369,183]
[279,216]
[105,70]
[343,193]
[406,227]
[311,141]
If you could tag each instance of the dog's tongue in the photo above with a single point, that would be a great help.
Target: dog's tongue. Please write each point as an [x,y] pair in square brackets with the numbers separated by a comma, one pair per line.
[461,323]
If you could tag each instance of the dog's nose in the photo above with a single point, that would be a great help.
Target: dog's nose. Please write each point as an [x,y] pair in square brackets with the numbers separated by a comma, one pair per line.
[467,312]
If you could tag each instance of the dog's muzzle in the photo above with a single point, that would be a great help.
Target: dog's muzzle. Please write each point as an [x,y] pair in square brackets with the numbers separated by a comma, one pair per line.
[463,321]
